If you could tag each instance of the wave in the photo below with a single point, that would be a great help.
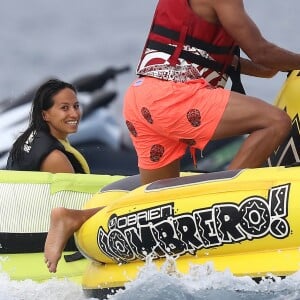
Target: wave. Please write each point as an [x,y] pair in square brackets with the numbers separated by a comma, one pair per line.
[201,282]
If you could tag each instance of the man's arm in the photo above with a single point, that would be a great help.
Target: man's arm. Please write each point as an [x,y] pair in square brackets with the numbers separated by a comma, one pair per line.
[250,68]
[235,20]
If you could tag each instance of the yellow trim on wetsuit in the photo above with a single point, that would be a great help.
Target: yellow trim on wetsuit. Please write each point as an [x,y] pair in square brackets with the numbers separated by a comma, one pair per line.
[77,154]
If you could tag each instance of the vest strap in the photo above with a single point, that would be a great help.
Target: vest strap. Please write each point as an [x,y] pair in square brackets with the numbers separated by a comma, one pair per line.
[174,35]
[200,60]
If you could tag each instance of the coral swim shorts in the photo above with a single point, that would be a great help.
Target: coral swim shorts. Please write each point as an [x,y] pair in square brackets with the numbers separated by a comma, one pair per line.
[166,117]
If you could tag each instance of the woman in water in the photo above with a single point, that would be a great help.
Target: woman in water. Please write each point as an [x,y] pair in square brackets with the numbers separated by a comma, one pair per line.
[44,146]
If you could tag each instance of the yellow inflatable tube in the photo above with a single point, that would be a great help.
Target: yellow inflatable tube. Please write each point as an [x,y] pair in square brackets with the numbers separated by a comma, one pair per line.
[26,201]
[244,220]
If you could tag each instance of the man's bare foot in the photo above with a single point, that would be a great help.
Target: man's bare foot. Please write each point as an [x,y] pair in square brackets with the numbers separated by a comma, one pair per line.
[63,223]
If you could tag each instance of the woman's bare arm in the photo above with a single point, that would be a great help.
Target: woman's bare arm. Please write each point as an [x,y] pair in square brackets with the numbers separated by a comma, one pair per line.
[57,162]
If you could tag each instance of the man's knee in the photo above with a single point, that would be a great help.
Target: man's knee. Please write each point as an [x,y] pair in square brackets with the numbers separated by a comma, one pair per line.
[281,123]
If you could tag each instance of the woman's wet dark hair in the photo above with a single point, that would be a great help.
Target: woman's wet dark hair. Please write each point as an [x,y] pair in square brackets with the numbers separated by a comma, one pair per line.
[43,100]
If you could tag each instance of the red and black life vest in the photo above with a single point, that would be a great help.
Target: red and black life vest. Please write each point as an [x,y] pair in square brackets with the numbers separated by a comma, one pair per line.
[184,36]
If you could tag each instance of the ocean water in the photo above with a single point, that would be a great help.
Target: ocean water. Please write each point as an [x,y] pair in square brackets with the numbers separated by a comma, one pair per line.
[201,283]
[70,38]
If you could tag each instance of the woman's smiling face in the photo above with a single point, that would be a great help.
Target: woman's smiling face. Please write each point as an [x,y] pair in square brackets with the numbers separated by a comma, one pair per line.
[64,116]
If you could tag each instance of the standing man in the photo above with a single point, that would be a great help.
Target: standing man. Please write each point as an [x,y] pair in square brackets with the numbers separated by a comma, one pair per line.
[179,99]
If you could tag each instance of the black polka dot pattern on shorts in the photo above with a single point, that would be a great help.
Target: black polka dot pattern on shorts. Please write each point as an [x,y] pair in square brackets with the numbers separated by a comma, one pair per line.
[189,142]
[147,115]
[194,117]
[156,153]
[131,128]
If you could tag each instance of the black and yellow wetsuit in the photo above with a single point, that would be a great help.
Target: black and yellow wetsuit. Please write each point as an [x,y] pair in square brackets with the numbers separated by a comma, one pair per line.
[38,146]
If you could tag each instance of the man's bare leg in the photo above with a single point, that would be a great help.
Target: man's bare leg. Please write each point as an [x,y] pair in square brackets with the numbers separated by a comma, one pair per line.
[169,171]
[63,223]
[267,126]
